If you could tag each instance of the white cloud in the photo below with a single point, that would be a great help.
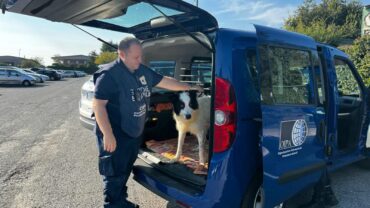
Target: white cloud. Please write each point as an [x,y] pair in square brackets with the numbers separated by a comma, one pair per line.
[240,6]
[272,17]
[267,13]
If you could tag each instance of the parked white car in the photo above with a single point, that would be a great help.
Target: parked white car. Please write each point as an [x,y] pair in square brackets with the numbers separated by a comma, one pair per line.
[85,105]
[14,76]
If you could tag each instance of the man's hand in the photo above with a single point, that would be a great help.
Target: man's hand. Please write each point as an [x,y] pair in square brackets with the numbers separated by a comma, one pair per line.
[197,88]
[110,143]
[170,83]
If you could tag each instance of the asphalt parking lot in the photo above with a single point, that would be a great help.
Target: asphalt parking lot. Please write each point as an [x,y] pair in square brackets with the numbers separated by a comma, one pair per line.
[48,160]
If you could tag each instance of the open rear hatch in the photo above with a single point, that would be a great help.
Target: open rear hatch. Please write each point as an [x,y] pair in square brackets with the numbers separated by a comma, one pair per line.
[141,18]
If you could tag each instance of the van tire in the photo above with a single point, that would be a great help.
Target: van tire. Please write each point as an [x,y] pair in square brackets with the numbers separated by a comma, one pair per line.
[364,164]
[171,204]
[26,83]
[254,196]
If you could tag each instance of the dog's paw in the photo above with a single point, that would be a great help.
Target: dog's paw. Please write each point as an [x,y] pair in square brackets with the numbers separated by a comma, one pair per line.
[174,160]
[201,170]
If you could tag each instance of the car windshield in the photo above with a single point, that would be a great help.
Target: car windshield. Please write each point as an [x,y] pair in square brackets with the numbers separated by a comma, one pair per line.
[146,11]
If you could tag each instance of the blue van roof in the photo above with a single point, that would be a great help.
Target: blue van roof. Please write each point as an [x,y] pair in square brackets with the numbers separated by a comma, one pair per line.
[334,50]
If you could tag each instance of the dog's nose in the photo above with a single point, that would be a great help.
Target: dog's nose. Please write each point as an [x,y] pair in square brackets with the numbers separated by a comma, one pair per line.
[188,116]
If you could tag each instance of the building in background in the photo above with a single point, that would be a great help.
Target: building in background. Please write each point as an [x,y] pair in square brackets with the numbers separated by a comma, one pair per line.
[72,61]
[365,26]
[11,60]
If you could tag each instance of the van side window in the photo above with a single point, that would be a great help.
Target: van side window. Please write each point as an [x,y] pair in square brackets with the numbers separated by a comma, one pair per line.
[165,68]
[290,76]
[347,83]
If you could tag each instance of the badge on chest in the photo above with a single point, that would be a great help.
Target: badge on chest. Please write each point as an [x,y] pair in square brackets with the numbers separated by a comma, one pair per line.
[142,80]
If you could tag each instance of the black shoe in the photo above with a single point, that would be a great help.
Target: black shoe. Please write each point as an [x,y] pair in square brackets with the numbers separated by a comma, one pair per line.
[329,197]
[128,204]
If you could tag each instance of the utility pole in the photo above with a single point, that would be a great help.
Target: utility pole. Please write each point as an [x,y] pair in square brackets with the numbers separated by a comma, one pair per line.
[196,3]
[19,53]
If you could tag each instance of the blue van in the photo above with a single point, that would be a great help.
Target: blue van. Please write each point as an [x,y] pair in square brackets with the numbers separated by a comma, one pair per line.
[284,107]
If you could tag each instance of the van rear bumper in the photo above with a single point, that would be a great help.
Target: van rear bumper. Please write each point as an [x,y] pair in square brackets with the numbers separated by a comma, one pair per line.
[167,187]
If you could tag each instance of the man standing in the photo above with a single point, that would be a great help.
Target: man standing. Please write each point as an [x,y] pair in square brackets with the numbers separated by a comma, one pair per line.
[121,101]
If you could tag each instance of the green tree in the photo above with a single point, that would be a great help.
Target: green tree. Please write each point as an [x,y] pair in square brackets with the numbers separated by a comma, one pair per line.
[330,21]
[93,56]
[105,57]
[360,55]
[29,63]
[107,48]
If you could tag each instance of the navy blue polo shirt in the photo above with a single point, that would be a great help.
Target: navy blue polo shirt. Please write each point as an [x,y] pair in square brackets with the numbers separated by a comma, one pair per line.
[128,95]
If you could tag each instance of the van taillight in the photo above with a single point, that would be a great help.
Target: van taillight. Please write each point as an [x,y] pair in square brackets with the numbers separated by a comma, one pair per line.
[225,116]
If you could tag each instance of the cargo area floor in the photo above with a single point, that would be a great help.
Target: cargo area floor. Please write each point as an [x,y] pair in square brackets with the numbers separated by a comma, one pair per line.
[159,153]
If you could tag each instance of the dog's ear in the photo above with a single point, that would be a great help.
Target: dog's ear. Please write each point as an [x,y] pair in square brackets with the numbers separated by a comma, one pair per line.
[175,100]
[193,93]
[193,99]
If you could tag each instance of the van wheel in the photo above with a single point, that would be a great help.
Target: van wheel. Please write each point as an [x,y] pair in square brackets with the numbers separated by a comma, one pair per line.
[26,83]
[254,196]
[172,204]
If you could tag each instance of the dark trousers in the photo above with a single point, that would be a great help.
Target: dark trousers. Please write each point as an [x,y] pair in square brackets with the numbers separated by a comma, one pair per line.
[116,168]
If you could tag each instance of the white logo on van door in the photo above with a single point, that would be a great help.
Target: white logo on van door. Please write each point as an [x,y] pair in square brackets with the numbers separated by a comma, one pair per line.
[292,133]
[299,132]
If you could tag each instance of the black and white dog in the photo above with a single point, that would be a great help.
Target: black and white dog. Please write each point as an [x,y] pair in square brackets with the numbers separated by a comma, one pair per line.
[192,114]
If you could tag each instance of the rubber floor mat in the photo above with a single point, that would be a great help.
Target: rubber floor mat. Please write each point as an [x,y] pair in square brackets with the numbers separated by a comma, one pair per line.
[167,149]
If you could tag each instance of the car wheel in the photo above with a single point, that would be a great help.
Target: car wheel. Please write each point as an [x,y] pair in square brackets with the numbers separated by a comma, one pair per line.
[26,83]
[52,78]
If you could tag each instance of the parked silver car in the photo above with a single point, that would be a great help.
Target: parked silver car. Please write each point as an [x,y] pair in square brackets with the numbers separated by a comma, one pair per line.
[14,76]
[43,77]
[69,73]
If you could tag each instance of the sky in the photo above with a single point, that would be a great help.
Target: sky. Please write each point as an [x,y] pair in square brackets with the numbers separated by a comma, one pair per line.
[29,37]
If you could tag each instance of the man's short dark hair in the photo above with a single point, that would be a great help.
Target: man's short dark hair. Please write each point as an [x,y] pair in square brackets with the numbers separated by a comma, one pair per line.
[127,42]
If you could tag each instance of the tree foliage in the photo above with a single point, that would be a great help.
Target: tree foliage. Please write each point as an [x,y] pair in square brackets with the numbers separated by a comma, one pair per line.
[330,21]
[107,48]
[360,55]
[33,62]
[106,57]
